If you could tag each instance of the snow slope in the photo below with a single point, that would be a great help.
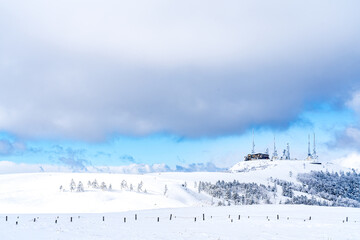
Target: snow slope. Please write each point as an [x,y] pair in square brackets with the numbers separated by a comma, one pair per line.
[39,192]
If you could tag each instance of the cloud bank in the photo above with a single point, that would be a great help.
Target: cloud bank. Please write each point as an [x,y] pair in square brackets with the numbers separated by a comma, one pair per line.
[88,69]
[7,167]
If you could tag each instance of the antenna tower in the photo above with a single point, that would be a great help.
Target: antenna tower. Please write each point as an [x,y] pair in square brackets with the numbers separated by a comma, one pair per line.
[253,143]
[309,153]
[275,151]
[314,152]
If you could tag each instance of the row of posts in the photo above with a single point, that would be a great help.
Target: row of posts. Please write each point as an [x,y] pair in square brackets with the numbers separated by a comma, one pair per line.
[171,216]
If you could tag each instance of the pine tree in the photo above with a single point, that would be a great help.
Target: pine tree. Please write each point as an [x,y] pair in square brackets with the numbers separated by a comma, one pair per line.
[140,185]
[80,187]
[124,185]
[103,186]
[72,185]
[95,184]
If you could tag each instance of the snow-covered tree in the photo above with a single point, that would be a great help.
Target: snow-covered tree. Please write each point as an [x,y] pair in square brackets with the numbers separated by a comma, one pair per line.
[80,187]
[95,184]
[166,189]
[140,185]
[124,185]
[72,185]
[103,186]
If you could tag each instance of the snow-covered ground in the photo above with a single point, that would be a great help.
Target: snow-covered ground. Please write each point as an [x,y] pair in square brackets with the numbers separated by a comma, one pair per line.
[38,195]
[256,222]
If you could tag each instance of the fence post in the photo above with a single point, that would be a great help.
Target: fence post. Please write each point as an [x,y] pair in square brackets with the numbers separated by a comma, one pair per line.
[70,219]
[135,217]
[239,217]
[170,217]
[277,217]
[6,218]
[203,216]
[195,219]
[103,218]
[158,219]
[55,221]
[347,219]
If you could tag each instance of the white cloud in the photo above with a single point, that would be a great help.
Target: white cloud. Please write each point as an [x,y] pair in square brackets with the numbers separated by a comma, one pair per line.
[352,160]
[89,69]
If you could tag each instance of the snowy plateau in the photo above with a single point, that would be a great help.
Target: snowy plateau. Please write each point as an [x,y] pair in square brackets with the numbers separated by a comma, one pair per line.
[252,200]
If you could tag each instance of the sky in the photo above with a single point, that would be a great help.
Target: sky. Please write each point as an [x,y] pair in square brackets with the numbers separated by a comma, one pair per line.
[90,83]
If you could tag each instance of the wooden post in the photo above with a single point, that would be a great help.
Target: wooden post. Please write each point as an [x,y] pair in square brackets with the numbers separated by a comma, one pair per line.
[310,218]
[70,219]
[34,219]
[277,217]
[229,215]
[347,219]
[195,219]
[170,217]
[6,218]
[124,219]
[239,217]
[203,216]
[16,222]
[103,218]
[55,221]
[135,217]
[158,219]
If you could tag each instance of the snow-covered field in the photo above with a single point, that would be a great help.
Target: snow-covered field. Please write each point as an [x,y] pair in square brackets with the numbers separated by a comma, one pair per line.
[24,197]
[256,222]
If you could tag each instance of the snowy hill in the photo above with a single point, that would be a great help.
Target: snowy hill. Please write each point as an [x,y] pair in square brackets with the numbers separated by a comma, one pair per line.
[41,193]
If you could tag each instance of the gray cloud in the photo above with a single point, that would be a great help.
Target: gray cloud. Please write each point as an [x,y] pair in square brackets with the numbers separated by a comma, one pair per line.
[74,158]
[127,158]
[194,69]
[350,136]
[9,147]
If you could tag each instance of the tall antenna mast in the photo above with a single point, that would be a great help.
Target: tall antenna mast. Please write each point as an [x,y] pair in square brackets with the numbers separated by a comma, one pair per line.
[253,143]
[314,152]
[309,153]
[288,151]
[275,151]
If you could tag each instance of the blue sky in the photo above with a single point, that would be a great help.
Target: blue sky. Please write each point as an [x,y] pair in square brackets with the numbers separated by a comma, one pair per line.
[117,82]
